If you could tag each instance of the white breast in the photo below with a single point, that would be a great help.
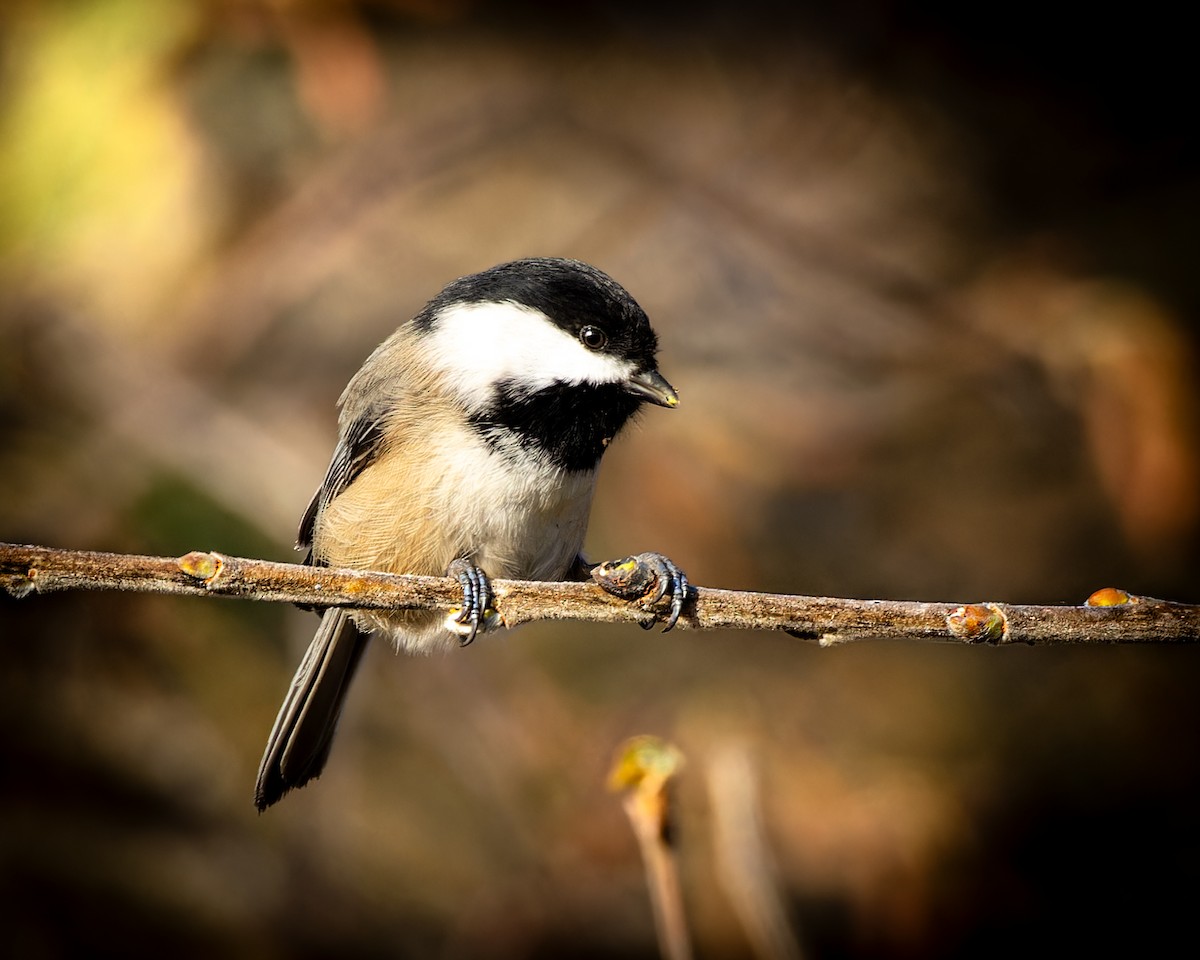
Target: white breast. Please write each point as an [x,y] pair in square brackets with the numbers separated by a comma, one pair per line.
[520,518]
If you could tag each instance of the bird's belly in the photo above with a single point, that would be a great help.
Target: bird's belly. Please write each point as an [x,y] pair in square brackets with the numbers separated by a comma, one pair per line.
[516,518]
[521,520]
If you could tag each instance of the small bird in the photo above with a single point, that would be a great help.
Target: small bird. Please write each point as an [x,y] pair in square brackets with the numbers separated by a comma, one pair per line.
[468,446]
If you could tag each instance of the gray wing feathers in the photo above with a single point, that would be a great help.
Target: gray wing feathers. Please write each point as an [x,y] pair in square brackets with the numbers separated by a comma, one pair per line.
[360,444]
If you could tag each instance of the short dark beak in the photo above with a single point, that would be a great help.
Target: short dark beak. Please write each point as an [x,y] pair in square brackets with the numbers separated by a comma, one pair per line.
[651,385]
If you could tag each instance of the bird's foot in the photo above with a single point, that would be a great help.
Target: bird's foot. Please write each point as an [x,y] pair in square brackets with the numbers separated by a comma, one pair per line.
[476,612]
[650,578]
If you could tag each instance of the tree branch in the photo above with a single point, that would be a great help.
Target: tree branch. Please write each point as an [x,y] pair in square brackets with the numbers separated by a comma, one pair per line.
[1109,615]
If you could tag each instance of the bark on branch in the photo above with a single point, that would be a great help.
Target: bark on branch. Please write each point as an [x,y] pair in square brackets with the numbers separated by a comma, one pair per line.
[1108,616]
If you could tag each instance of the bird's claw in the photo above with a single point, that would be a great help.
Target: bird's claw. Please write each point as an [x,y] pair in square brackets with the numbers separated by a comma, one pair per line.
[650,578]
[476,611]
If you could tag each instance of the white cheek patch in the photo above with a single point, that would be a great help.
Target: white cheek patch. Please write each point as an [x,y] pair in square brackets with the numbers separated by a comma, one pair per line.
[477,345]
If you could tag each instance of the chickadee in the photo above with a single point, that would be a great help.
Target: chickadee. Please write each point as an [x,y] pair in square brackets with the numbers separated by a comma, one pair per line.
[468,442]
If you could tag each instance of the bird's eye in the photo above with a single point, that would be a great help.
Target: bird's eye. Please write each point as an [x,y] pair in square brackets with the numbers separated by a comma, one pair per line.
[593,338]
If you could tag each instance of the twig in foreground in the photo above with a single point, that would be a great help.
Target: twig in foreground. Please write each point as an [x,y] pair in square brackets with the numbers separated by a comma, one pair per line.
[643,773]
[1109,616]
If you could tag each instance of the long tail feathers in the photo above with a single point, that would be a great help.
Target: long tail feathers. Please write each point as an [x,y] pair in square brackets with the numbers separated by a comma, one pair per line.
[299,743]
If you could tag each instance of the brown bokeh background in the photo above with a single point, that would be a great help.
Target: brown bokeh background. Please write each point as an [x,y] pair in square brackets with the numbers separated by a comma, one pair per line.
[925,281]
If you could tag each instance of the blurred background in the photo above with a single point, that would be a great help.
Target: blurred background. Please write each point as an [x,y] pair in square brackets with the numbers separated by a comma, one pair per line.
[924,276]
